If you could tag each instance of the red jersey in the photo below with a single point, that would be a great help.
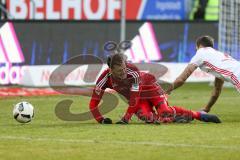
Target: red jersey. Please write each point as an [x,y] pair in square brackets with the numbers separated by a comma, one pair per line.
[136,85]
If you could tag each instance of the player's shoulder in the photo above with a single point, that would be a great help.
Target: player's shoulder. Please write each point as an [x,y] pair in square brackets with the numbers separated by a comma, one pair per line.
[200,51]
[106,71]
[204,50]
[131,68]
[147,78]
[105,74]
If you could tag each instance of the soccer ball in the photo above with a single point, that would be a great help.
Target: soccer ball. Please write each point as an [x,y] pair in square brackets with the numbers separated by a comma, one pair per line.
[23,112]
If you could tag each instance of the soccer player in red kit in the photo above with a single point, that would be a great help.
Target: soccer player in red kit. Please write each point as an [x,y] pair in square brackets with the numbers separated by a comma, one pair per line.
[143,94]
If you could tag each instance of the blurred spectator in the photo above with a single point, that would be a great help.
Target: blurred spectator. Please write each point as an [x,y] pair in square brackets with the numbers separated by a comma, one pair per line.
[205,10]
[3,14]
[200,13]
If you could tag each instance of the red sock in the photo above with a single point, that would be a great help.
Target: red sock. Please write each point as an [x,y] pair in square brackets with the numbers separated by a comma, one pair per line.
[184,112]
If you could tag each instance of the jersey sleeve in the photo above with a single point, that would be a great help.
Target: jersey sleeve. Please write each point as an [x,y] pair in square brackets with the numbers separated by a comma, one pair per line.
[97,94]
[197,59]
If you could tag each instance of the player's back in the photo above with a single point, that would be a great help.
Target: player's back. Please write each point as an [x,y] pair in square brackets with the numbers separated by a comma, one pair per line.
[217,63]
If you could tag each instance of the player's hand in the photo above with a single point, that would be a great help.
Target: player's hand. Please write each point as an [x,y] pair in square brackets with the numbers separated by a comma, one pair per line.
[122,121]
[206,109]
[106,121]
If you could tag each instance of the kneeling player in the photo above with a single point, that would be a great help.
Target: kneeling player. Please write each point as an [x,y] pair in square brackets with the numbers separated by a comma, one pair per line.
[139,89]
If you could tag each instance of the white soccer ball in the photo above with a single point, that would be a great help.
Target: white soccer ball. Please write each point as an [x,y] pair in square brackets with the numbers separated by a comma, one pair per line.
[23,112]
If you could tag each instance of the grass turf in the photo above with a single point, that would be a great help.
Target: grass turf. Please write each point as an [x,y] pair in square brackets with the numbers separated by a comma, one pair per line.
[48,137]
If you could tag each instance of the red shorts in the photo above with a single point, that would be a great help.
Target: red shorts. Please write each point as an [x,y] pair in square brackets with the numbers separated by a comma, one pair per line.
[146,110]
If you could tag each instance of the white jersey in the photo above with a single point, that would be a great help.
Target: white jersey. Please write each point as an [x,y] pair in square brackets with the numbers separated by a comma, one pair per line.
[218,64]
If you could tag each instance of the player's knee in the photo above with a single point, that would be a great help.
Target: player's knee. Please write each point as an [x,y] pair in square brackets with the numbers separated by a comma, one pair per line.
[147,117]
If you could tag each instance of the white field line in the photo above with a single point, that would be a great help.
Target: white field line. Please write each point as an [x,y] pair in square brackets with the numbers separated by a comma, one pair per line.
[177,145]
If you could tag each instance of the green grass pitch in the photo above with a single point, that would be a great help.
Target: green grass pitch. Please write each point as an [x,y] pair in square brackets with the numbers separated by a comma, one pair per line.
[48,137]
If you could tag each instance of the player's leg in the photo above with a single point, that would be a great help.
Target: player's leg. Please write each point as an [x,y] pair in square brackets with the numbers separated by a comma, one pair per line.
[146,112]
[163,112]
[184,115]
[155,95]
[161,105]
[177,114]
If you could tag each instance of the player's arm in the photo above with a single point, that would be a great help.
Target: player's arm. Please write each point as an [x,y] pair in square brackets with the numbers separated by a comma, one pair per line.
[196,61]
[96,98]
[133,104]
[183,77]
[218,83]
[93,105]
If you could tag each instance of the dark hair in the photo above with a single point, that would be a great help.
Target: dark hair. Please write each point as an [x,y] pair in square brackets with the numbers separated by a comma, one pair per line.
[116,59]
[205,41]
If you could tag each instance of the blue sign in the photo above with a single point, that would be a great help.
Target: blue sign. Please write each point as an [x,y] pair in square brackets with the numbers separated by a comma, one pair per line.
[164,10]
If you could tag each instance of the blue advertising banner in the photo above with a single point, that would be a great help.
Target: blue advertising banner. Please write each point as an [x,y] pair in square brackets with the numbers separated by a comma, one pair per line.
[162,10]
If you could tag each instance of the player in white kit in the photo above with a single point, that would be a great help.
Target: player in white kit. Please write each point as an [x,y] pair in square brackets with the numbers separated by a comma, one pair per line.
[219,64]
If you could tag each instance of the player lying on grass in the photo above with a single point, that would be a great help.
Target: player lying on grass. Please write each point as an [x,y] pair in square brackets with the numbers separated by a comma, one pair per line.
[219,64]
[142,93]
